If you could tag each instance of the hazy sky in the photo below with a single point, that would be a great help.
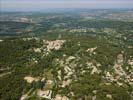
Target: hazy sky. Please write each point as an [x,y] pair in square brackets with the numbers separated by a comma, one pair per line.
[29,5]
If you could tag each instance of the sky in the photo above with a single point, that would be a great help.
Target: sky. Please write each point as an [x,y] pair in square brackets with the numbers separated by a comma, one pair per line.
[36,5]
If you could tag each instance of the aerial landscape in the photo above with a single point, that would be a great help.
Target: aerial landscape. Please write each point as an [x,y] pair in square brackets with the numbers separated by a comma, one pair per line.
[66,50]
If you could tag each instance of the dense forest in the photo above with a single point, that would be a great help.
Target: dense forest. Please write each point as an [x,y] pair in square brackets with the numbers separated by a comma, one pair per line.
[61,57]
